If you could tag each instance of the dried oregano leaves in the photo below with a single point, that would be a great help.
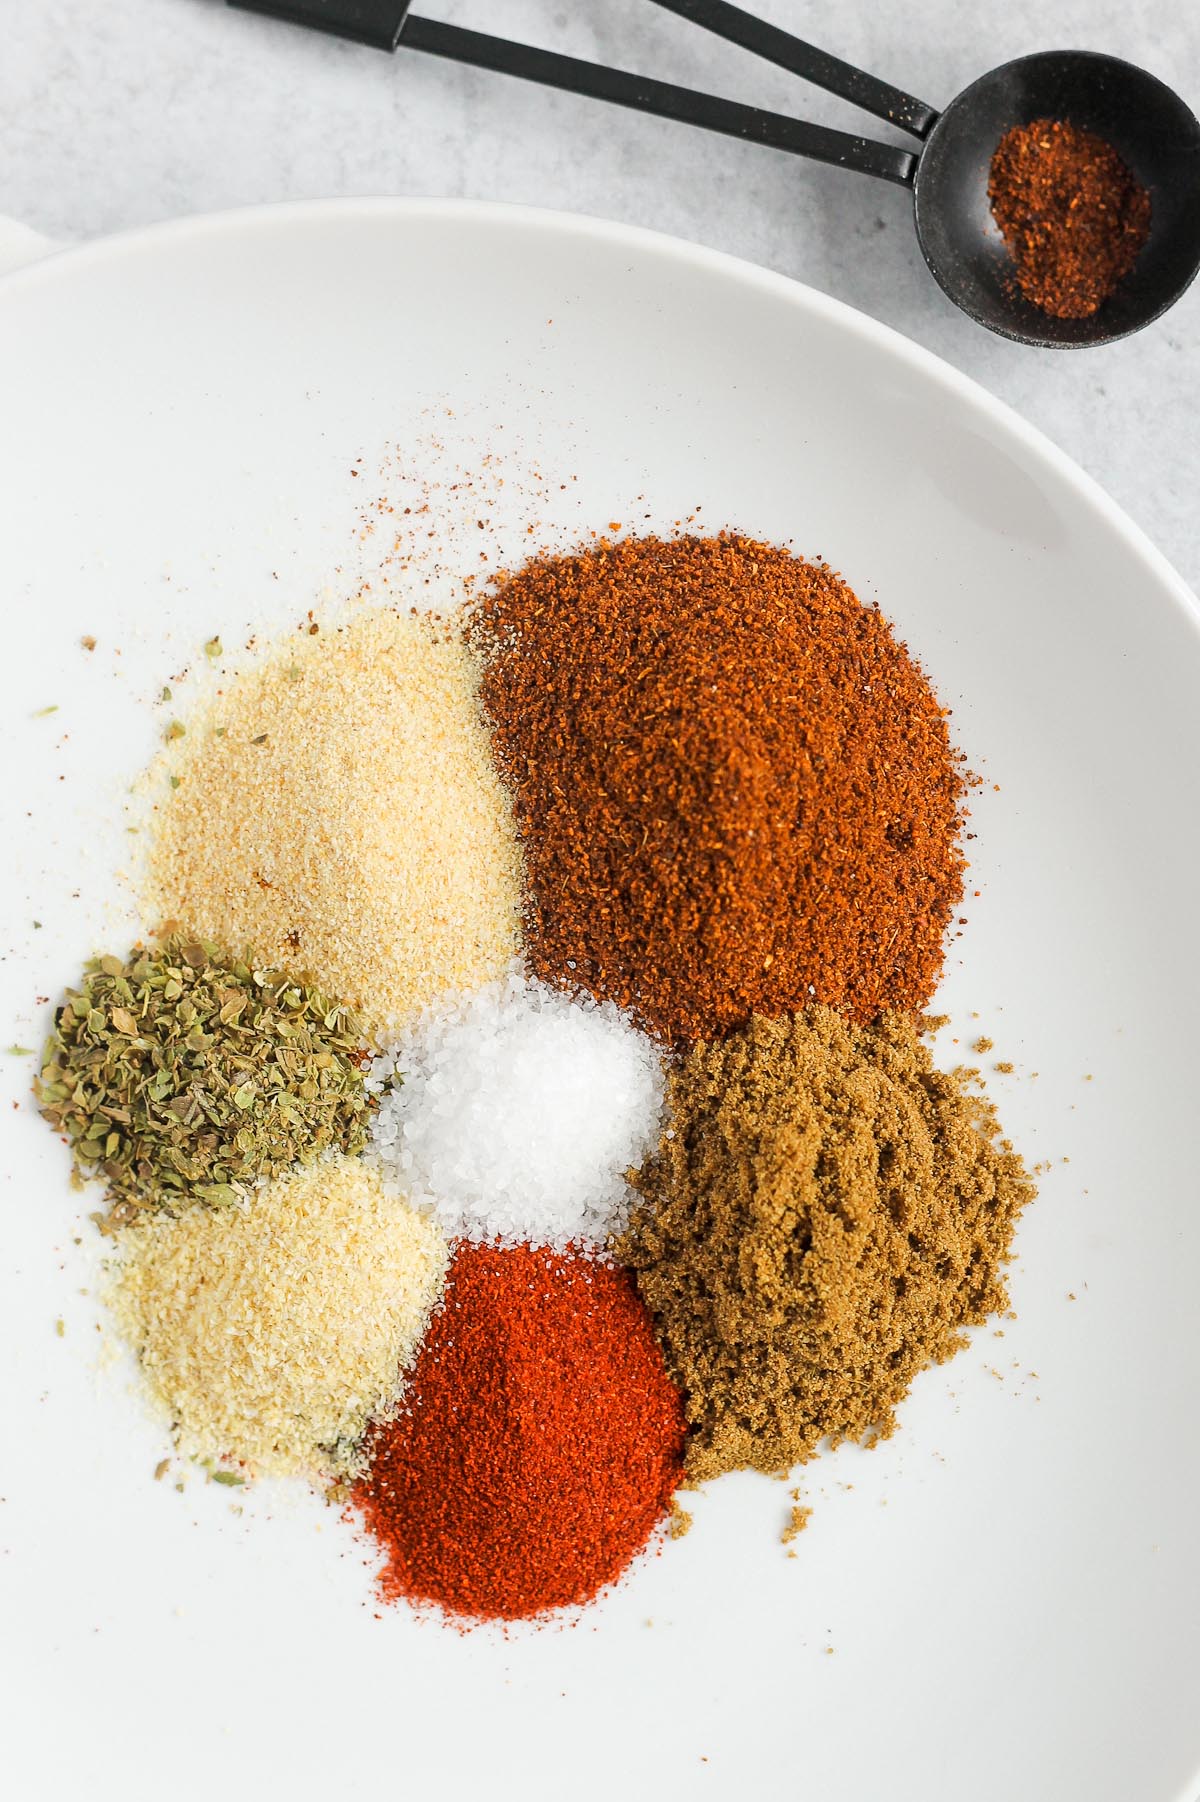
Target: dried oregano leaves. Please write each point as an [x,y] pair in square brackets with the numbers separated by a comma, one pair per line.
[179,1076]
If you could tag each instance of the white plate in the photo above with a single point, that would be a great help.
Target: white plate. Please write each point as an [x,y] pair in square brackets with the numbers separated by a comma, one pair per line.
[1002,1601]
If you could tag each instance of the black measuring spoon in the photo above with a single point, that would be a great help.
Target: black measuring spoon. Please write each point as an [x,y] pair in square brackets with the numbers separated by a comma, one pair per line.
[1154,133]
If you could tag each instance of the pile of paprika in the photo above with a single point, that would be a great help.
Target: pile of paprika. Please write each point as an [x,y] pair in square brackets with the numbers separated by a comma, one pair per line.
[539,1442]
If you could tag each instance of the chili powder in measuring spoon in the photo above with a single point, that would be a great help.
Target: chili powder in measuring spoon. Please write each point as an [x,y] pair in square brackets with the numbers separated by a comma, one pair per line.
[1074,217]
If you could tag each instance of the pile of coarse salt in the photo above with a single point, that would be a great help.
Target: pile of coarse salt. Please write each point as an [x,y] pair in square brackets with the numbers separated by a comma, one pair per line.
[512,1114]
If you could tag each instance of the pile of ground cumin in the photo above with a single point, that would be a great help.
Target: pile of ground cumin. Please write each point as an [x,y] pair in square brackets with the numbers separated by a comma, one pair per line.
[826,1214]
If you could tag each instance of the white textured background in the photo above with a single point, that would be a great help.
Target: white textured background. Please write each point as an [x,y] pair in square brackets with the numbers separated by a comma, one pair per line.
[114,113]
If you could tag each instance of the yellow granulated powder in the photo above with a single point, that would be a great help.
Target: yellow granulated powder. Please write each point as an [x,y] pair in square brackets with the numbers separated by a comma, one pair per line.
[272,1332]
[335,811]
[797,1521]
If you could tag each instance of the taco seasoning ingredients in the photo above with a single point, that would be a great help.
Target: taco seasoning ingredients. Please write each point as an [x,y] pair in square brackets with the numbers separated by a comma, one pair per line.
[270,1332]
[514,1113]
[538,1444]
[179,1077]
[735,788]
[1073,216]
[826,1215]
[337,809]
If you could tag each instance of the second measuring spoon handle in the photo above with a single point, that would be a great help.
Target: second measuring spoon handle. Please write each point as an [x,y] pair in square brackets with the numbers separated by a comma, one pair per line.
[662,98]
[877,97]
[388,25]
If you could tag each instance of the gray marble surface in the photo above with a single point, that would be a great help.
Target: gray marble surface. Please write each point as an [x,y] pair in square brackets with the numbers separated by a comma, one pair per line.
[120,113]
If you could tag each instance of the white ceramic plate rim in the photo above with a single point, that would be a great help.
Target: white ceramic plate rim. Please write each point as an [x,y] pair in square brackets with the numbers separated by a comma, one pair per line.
[62,261]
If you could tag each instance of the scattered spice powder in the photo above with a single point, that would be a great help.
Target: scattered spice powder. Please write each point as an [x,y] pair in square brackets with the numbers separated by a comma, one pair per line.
[797,1521]
[272,1331]
[1073,216]
[735,789]
[538,1445]
[679,1521]
[826,1214]
[338,811]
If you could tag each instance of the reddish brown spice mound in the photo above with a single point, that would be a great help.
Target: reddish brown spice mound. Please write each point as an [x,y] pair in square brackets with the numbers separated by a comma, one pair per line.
[540,1443]
[735,788]
[1072,215]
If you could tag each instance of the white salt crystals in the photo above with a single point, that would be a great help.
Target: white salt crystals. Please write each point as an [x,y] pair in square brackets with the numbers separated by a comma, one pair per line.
[512,1114]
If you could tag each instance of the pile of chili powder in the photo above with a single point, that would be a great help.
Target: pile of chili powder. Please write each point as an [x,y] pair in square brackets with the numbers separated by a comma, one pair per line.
[735,789]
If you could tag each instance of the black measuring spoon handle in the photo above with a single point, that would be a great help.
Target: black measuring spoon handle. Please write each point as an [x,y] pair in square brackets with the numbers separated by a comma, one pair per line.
[388,25]
[806,60]
[661,98]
